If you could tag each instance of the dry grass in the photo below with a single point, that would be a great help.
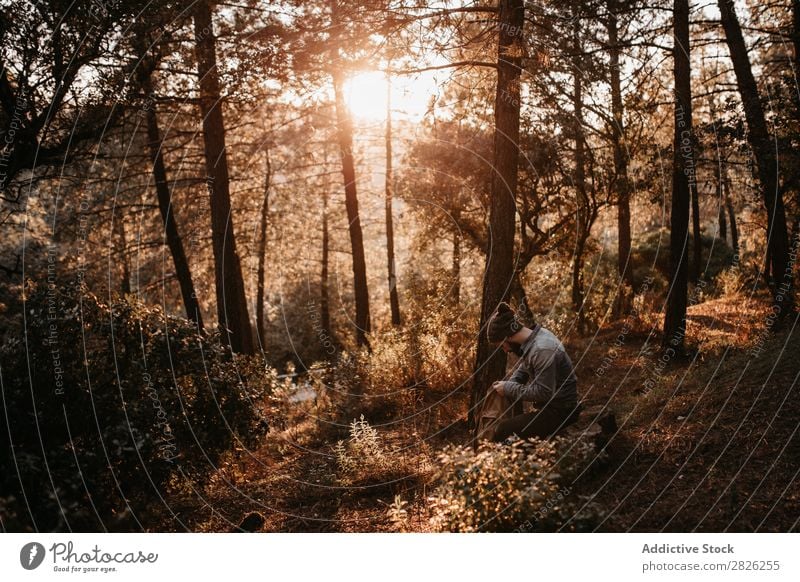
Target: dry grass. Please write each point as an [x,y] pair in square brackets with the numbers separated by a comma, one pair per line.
[709,447]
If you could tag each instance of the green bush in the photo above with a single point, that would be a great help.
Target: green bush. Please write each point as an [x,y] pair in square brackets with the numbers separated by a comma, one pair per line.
[652,249]
[524,486]
[293,327]
[108,405]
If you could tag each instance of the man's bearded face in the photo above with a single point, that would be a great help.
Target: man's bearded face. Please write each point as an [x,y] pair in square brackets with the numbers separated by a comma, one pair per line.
[512,347]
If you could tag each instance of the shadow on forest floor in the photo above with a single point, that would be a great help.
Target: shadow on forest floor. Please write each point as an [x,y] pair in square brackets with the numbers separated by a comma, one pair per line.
[709,446]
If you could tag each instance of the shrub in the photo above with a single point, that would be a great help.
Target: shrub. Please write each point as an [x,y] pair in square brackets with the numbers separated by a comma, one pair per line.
[345,375]
[362,456]
[433,349]
[110,404]
[294,330]
[398,514]
[522,486]
[431,354]
[652,248]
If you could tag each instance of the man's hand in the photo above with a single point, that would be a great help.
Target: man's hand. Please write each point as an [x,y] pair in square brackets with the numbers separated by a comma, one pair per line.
[498,387]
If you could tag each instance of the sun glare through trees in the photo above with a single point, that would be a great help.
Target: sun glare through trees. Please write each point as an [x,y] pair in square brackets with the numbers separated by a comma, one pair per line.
[366,94]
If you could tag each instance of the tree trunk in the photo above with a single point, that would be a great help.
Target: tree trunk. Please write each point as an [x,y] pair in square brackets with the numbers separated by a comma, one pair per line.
[766,162]
[726,184]
[262,252]
[456,268]
[125,283]
[231,303]
[796,38]
[173,237]
[675,320]
[490,362]
[324,303]
[720,195]
[344,130]
[577,284]
[698,243]
[394,300]
[732,220]
[582,206]
[622,184]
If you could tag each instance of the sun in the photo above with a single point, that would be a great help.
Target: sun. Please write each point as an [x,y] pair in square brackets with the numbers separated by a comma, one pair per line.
[366,95]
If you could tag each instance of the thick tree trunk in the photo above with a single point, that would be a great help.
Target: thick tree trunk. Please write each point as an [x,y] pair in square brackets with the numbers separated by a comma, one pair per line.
[344,129]
[682,168]
[344,133]
[171,234]
[766,162]
[231,302]
[262,252]
[394,299]
[490,362]
[622,184]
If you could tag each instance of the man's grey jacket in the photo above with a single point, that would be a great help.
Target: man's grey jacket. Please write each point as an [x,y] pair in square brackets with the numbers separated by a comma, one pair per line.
[545,373]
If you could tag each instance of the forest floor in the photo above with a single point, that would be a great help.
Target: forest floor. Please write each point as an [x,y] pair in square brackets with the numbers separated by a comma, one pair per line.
[704,443]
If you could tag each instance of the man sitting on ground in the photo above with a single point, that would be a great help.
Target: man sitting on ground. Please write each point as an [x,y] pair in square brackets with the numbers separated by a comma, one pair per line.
[545,376]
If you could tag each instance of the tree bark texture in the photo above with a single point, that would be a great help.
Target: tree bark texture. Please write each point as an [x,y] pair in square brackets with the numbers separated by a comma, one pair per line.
[675,320]
[232,313]
[394,298]
[164,195]
[766,161]
[262,252]
[622,185]
[490,362]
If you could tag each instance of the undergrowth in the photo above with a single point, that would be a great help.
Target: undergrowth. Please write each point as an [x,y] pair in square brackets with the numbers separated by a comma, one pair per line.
[524,486]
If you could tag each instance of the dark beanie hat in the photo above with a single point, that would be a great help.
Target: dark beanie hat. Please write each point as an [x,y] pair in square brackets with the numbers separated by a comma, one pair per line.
[502,324]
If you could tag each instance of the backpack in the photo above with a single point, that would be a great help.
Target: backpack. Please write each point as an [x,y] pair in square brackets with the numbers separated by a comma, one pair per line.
[492,410]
